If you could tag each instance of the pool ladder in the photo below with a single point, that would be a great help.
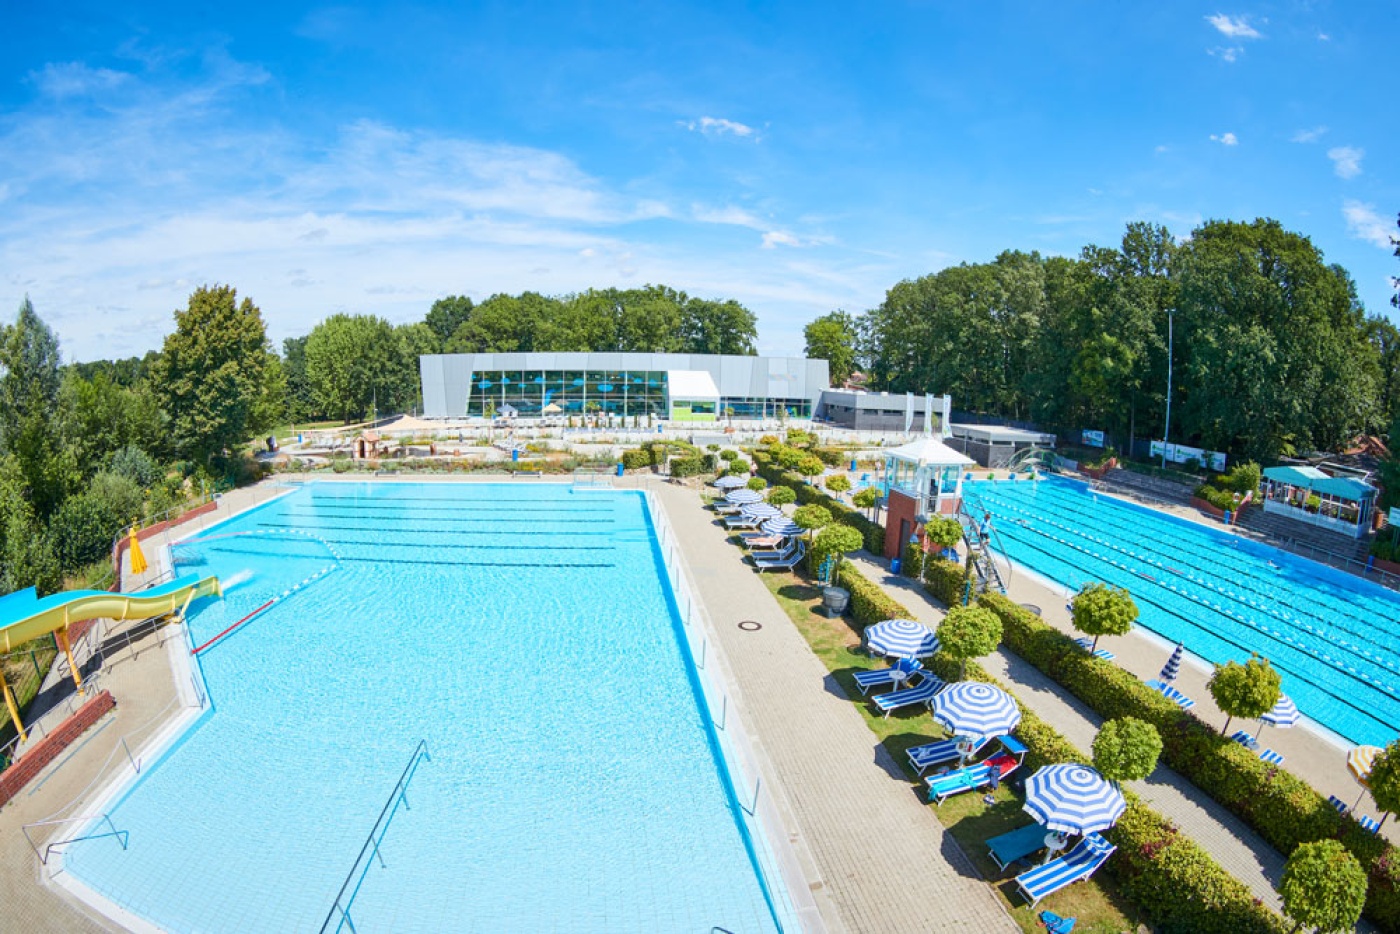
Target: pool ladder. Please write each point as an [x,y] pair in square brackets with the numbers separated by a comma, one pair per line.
[982,545]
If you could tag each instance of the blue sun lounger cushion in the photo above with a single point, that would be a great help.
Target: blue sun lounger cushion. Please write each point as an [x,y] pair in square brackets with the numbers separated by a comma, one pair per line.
[920,693]
[895,674]
[928,755]
[1018,844]
[1079,863]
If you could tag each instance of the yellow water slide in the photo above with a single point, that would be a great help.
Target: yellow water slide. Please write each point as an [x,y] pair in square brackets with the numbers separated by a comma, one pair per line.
[25,616]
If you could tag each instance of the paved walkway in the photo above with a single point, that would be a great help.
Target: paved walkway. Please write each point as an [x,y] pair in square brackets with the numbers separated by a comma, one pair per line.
[1241,851]
[886,863]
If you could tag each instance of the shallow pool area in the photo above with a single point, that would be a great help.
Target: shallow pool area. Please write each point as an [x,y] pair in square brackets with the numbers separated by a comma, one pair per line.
[527,635]
[1335,638]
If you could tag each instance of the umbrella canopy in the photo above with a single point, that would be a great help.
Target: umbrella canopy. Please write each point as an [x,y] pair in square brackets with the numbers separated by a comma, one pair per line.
[901,637]
[760,511]
[740,497]
[783,526]
[138,558]
[1283,715]
[1173,666]
[1073,798]
[975,710]
[731,482]
[1359,763]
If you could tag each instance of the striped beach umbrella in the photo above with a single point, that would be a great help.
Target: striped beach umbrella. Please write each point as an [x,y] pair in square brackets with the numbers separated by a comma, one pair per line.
[740,497]
[731,482]
[1359,763]
[902,638]
[782,526]
[1172,694]
[1173,666]
[1073,798]
[760,511]
[974,710]
[1283,715]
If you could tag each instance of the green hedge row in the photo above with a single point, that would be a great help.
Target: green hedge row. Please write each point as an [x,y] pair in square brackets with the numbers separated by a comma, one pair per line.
[945,580]
[1284,809]
[807,494]
[1175,883]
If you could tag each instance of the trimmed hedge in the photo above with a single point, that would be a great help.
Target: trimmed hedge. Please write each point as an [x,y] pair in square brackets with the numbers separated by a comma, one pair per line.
[807,495]
[869,602]
[1178,885]
[945,580]
[1281,807]
[636,459]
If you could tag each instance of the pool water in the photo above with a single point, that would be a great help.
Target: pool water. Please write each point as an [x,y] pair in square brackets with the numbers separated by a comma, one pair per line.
[1334,638]
[528,635]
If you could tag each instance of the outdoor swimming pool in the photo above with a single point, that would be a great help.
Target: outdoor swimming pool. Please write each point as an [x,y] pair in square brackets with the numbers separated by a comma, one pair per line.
[528,635]
[1335,638]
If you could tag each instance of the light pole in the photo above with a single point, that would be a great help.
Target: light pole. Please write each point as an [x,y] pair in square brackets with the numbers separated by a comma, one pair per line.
[1166,425]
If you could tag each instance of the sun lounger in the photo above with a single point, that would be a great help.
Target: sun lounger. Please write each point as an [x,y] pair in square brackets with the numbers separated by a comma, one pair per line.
[1016,845]
[771,554]
[1369,823]
[920,693]
[1171,694]
[1341,806]
[1079,863]
[763,542]
[925,757]
[880,677]
[783,564]
[741,522]
[1085,643]
[1271,757]
[946,785]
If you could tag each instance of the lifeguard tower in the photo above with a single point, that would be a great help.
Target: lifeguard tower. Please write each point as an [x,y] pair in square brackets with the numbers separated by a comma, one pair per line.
[922,478]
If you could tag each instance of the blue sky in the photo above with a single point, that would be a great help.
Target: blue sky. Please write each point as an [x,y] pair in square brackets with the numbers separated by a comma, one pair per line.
[797,156]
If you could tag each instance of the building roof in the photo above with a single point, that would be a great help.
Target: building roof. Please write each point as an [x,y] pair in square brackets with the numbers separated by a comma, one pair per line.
[691,384]
[1000,433]
[1318,482]
[929,452]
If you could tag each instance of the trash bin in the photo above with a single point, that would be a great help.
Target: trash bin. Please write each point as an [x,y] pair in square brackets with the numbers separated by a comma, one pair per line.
[853,465]
[620,468]
[894,565]
[515,454]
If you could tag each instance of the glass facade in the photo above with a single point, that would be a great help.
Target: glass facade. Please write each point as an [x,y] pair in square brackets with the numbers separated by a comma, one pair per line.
[614,392]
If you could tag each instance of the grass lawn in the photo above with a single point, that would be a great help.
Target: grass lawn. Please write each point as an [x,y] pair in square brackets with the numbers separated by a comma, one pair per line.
[970,821]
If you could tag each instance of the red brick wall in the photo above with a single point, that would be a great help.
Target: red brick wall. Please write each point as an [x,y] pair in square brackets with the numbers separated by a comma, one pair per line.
[47,749]
[900,507]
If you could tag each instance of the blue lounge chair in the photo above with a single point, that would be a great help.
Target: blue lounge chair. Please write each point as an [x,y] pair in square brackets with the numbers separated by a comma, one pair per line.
[1079,863]
[1271,757]
[928,755]
[1016,845]
[1341,806]
[740,521]
[774,554]
[944,786]
[781,564]
[895,674]
[1245,740]
[1369,823]
[921,693]
[1086,643]
[1171,694]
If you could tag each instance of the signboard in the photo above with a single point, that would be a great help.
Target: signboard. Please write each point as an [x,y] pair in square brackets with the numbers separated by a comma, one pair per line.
[1093,439]
[1180,454]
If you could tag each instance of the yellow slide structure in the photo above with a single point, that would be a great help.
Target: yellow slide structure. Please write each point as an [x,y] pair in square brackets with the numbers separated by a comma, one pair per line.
[25,616]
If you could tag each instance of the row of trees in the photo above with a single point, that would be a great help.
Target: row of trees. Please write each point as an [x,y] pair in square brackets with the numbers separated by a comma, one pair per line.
[1271,350]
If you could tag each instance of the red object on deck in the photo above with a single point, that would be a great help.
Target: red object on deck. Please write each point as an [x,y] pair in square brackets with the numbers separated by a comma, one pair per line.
[230,629]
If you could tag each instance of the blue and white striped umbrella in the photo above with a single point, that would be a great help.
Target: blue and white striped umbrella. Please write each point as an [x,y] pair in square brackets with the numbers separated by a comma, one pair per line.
[903,638]
[1073,798]
[1173,666]
[784,527]
[1171,694]
[974,710]
[731,482]
[760,511]
[740,497]
[1283,715]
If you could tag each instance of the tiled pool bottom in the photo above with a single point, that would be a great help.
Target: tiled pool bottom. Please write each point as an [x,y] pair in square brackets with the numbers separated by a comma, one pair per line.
[573,782]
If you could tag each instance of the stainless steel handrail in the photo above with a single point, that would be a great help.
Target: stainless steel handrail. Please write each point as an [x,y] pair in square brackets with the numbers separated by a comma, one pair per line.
[121,835]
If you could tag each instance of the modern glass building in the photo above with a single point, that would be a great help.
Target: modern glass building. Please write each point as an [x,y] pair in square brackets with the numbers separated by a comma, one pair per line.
[679,387]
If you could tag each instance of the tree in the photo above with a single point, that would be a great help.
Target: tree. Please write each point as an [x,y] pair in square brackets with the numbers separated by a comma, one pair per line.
[213,375]
[301,401]
[1100,610]
[415,340]
[1248,690]
[810,465]
[26,551]
[835,540]
[812,517]
[446,316]
[100,417]
[136,465]
[866,498]
[1323,887]
[29,428]
[1384,780]
[837,483]
[781,495]
[353,363]
[717,327]
[757,484]
[1127,749]
[969,632]
[832,338]
[943,531]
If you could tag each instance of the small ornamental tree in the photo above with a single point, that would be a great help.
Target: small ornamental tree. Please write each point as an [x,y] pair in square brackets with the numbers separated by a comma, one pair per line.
[810,466]
[969,632]
[1126,749]
[812,518]
[837,483]
[788,458]
[866,498]
[1323,887]
[1385,780]
[757,484]
[1100,610]
[1248,690]
[780,495]
[835,540]
[943,531]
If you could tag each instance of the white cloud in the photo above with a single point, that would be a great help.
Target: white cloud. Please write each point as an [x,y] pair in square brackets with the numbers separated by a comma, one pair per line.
[73,79]
[717,126]
[1364,223]
[1309,136]
[1226,139]
[774,238]
[1226,53]
[1233,27]
[1346,160]
[1323,37]
[729,214]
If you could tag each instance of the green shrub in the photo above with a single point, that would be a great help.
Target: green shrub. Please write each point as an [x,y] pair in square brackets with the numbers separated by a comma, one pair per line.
[912,560]
[1241,478]
[833,540]
[1383,549]
[943,531]
[757,484]
[779,495]
[837,483]
[682,467]
[739,468]
[636,459]
[1220,499]
[869,602]
[712,447]
[1323,886]
[82,530]
[831,457]
[728,454]
[769,440]
[945,580]
[137,466]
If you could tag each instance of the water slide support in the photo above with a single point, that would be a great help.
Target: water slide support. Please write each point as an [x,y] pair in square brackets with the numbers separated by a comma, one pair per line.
[62,636]
[14,709]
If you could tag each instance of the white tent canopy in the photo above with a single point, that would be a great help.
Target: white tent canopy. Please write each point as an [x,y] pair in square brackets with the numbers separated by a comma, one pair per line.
[929,452]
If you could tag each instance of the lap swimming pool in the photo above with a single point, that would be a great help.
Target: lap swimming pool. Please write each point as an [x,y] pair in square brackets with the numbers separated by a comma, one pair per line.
[1335,638]
[526,633]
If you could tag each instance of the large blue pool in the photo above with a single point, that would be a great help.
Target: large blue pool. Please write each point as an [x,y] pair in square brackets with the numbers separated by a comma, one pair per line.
[528,634]
[1335,638]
